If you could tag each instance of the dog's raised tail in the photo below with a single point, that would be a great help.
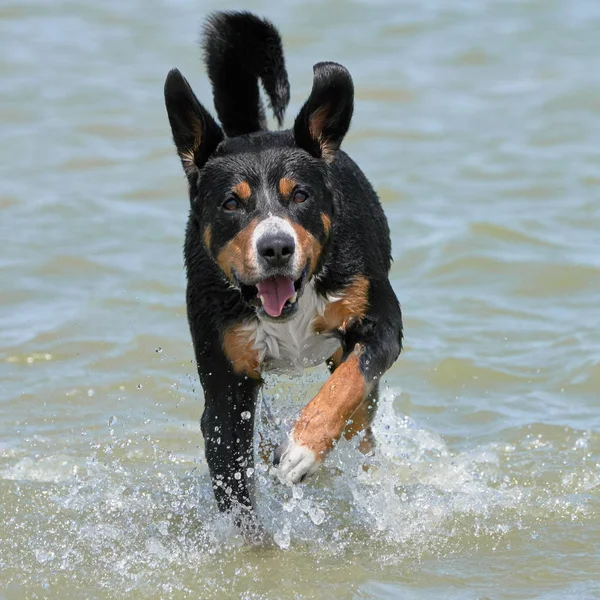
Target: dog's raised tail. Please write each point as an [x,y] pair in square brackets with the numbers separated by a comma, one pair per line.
[240,49]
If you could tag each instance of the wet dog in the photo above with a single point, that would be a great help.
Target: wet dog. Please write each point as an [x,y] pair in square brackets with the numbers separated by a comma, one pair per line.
[287,254]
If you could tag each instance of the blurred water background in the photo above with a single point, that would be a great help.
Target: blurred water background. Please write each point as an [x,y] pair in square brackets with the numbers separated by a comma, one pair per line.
[478,121]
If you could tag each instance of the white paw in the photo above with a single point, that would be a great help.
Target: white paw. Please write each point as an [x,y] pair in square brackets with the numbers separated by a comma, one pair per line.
[295,461]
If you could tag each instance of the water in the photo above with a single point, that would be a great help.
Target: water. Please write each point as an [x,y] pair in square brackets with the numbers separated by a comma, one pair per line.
[478,123]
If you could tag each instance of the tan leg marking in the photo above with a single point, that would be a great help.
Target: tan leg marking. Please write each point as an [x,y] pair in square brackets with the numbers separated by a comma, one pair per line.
[324,418]
[361,422]
[236,254]
[243,190]
[352,306]
[238,345]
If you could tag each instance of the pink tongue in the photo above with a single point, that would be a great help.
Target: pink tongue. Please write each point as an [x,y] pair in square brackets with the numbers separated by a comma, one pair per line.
[276,291]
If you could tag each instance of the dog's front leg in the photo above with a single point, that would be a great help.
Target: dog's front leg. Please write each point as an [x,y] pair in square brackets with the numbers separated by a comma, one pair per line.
[227,426]
[323,419]
[372,347]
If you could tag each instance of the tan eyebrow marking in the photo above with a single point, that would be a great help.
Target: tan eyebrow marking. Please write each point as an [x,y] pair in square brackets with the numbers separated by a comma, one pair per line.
[286,186]
[242,190]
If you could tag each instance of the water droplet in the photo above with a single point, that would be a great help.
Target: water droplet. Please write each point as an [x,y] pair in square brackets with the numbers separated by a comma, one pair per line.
[158,350]
[317,515]
[155,547]
[246,415]
[139,386]
[43,555]
[112,420]
[282,539]
[91,393]
[249,472]
[237,476]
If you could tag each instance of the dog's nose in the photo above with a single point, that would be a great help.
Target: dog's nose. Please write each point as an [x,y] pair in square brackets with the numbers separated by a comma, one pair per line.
[276,249]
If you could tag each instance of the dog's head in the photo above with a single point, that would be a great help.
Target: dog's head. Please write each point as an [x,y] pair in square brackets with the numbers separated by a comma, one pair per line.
[263,202]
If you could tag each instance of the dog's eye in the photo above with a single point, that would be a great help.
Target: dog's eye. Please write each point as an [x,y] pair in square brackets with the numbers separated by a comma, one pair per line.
[300,196]
[230,204]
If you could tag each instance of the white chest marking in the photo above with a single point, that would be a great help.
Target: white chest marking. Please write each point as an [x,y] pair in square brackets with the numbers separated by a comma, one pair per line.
[293,346]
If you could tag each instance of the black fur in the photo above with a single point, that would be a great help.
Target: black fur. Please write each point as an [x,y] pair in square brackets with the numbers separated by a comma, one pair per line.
[332,93]
[239,49]
[187,116]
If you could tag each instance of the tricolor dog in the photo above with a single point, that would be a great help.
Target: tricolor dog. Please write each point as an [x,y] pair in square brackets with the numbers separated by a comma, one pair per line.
[287,254]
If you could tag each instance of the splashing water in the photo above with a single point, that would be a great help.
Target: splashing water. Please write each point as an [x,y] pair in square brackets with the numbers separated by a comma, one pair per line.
[136,518]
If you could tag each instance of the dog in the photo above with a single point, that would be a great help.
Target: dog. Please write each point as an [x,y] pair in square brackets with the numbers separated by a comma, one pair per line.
[287,253]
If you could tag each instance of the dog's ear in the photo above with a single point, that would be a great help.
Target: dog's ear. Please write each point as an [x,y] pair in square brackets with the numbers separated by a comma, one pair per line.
[195,132]
[325,118]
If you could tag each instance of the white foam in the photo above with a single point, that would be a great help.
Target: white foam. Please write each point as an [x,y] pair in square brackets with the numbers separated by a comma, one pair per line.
[138,520]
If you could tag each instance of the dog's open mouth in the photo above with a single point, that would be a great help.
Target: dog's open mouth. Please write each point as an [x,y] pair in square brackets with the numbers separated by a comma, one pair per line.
[275,292]
[276,296]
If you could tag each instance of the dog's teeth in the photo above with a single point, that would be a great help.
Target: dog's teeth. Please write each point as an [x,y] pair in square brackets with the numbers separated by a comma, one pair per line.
[294,298]
[262,299]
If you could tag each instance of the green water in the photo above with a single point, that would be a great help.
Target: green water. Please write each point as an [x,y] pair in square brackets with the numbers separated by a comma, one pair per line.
[479,124]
